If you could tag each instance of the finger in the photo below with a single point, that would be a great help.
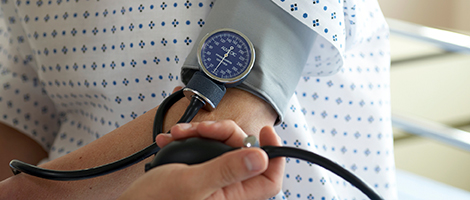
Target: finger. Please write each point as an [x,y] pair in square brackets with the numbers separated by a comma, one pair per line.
[182,130]
[276,165]
[163,139]
[271,179]
[230,168]
[225,131]
[185,130]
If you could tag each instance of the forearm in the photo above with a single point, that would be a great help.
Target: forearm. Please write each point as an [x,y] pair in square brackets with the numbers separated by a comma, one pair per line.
[117,144]
[250,112]
[16,145]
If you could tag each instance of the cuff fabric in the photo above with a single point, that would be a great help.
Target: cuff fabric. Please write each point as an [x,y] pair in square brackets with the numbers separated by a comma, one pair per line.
[282,45]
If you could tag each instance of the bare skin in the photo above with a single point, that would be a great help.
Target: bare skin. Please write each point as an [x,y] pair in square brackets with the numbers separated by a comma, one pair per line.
[245,109]
[15,145]
[239,174]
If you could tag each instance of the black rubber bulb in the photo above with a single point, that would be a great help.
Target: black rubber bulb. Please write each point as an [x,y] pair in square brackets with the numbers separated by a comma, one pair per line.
[189,151]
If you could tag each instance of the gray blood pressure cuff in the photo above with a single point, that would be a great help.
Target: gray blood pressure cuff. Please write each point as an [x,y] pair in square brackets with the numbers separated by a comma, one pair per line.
[282,45]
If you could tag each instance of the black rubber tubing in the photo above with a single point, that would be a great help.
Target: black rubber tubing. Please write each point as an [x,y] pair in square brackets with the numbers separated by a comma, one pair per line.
[274,152]
[73,175]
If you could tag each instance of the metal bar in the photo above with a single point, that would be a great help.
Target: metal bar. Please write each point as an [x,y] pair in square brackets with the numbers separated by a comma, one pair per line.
[395,63]
[433,130]
[447,40]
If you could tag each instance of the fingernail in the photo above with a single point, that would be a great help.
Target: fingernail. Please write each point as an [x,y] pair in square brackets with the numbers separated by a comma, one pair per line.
[166,135]
[208,122]
[253,162]
[185,126]
[163,136]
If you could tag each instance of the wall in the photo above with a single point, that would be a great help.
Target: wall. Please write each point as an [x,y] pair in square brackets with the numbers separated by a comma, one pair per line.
[445,14]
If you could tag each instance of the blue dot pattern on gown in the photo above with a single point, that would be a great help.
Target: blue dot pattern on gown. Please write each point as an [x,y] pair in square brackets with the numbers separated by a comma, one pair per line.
[72,71]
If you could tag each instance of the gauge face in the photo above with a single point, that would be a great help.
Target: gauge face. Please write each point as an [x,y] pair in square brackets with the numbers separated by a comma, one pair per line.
[226,55]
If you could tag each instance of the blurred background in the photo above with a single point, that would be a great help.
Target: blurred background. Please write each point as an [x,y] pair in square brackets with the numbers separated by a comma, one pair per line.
[431,83]
[443,14]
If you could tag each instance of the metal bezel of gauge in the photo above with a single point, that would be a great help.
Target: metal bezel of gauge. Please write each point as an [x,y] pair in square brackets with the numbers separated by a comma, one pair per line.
[231,81]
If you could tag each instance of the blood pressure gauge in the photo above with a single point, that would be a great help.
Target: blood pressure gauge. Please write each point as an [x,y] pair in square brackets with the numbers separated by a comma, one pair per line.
[226,55]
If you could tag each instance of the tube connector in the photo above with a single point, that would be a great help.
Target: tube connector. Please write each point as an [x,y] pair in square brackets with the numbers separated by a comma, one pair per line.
[206,89]
[250,141]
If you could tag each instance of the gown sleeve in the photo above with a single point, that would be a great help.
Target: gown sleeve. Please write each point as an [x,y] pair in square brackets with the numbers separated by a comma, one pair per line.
[24,104]
[286,47]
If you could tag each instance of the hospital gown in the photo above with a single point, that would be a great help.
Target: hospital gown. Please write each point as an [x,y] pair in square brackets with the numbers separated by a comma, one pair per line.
[73,70]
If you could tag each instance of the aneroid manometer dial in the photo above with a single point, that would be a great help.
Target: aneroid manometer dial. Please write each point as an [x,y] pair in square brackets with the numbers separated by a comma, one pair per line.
[226,55]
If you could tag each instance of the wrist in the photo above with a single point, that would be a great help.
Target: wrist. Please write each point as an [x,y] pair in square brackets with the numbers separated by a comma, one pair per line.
[248,111]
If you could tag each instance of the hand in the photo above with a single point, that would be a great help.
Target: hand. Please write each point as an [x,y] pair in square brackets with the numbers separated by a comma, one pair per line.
[247,110]
[241,174]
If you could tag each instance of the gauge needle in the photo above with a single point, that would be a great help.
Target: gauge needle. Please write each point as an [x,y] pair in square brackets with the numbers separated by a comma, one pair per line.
[225,56]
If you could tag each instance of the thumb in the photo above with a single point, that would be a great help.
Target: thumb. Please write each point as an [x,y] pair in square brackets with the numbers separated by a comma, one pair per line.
[232,167]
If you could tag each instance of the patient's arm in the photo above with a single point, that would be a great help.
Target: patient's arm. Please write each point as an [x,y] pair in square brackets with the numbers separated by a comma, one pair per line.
[247,110]
[16,145]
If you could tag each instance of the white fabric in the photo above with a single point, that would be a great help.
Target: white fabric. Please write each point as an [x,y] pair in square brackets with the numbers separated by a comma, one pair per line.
[72,71]
[327,19]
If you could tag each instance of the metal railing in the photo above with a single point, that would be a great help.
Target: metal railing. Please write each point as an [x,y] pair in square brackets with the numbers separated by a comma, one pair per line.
[428,129]
[446,40]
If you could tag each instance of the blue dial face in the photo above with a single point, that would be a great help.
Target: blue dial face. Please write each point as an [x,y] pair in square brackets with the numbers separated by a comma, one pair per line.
[226,56]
